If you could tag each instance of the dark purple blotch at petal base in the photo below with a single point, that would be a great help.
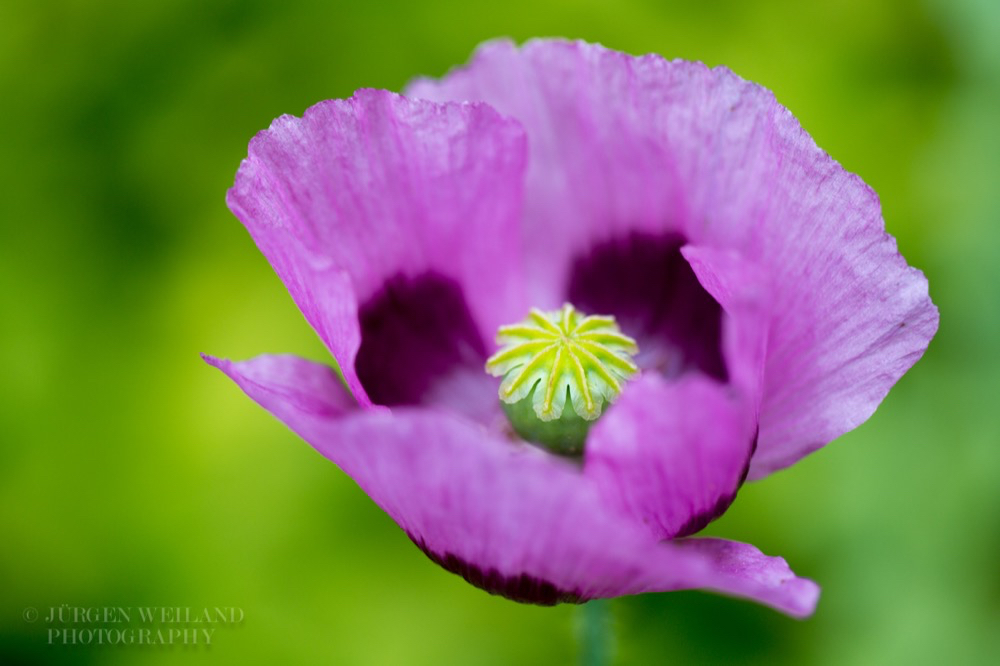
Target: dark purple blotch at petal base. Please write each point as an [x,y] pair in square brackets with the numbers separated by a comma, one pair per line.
[525,589]
[645,282]
[414,331]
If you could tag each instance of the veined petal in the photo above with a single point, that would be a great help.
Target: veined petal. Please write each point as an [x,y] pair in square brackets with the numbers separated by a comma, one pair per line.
[849,316]
[621,145]
[380,190]
[509,518]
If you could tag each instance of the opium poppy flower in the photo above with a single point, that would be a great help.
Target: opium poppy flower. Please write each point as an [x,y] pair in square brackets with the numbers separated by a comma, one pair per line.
[577,298]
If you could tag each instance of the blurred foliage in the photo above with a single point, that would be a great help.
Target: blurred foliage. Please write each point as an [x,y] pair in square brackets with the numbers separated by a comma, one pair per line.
[131,474]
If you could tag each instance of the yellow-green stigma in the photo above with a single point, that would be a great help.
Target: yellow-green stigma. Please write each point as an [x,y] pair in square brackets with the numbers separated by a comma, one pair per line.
[559,357]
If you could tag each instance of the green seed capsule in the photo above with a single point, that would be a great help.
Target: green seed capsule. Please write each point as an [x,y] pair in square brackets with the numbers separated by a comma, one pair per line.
[556,358]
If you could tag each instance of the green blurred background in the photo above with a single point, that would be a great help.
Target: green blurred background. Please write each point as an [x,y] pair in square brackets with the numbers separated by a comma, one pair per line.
[132,474]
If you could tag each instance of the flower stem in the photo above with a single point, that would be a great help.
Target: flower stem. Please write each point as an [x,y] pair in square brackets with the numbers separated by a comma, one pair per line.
[595,633]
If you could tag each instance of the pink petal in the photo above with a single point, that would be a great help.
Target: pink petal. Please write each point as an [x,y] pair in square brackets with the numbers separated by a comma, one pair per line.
[672,455]
[290,385]
[378,190]
[621,145]
[850,317]
[509,518]
[740,569]
[596,170]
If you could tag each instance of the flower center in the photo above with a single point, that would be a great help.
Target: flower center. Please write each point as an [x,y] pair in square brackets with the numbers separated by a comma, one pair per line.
[559,357]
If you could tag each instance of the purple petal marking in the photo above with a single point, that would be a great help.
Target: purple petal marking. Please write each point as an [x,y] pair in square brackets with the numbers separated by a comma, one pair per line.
[621,144]
[508,517]
[359,191]
[420,345]
[523,588]
[672,455]
[651,290]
